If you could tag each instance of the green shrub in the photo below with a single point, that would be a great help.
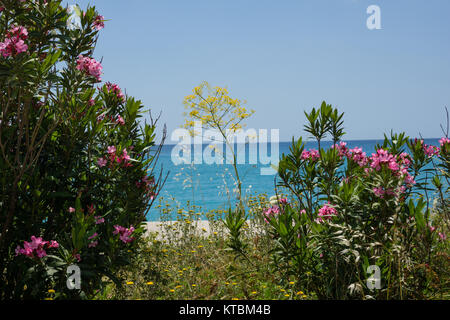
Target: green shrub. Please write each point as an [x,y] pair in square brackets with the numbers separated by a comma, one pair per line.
[352,211]
[76,162]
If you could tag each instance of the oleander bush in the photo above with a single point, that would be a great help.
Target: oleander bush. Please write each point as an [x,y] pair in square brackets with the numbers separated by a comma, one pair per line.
[76,159]
[388,210]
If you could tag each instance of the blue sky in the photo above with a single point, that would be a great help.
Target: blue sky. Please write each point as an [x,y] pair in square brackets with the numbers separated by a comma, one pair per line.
[284,57]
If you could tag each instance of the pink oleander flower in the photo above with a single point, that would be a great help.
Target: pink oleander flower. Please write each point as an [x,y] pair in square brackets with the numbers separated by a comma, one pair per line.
[342,149]
[93,236]
[115,89]
[78,257]
[357,155]
[405,160]
[90,66]
[91,102]
[20,46]
[36,248]
[124,233]
[14,42]
[312,155]
[303,211]
[120,120]
[403,171]
[382,157]
[432,228]
[53,244]
[442,236]
[393,166]
[93,244]
[17,32]
[117,229]
[98,23]
[430,151]
[283,201]
[101,162]
[270,213]
[99,219]
[71,210]
[111,150]
[326,212]
[91,209]
[100,117]
[379,192]
[305,155]
[125,158]
[444,141]
[409,180]
[401,190]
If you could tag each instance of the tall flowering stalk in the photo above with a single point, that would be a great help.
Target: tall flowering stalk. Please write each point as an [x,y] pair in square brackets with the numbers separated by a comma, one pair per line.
[217,110]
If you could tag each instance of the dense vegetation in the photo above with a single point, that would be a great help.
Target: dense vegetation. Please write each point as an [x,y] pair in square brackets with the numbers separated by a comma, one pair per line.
[339,216]
[76,159]
[77,178]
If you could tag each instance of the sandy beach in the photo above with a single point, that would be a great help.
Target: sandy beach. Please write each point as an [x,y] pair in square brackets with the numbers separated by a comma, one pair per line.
[202,227]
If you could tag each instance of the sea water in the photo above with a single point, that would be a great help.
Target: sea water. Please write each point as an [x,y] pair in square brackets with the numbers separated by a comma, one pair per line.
[211,186]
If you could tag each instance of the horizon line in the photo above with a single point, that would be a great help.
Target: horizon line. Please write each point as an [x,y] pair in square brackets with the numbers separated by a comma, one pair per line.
[290,141]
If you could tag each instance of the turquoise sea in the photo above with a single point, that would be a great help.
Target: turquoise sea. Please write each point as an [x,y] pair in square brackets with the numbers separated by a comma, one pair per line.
[206,185]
